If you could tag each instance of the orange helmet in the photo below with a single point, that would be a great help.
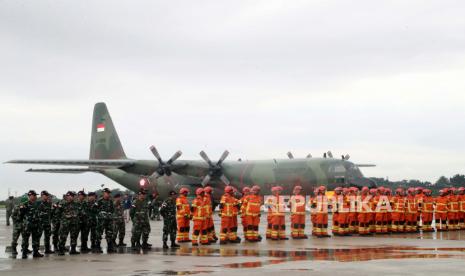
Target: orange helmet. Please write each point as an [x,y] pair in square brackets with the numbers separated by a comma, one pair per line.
[365,189]
[399,191]
[276,189]
[184,191]
[228,189]
[208,189]
[199,191]
[373,191]
[255,189]
[381,189]
[338,190]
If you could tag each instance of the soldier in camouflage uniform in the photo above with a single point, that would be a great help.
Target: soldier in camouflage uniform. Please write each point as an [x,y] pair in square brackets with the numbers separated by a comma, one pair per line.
[118,221]
[168,212]
[140,222]
[17,229]
[92,208]
[69,211]
[105,220]
[56,217]
[29,215]
[9,205]
[45,215]
[83,220]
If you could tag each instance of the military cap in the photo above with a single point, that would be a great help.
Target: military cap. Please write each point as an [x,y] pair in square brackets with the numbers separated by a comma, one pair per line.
[70,193]
[142,192]
[91,194]
[11,197]
[31,192]
[82,193]
[172,193]
[106,190]
[44,192]
[118,195]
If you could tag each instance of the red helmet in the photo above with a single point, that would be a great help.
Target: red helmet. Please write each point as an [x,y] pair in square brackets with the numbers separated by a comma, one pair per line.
[338,189]
[373,191]
[208,189]
[461,190]
[184,191]
[276,189]
[388,191]
[297,188]
[228,189]
[445,190]
[245,190]
[345,190]
[427,191]
[199,191]
[418,189]
[255,189]
[365,189]
[410,190]
[399,191]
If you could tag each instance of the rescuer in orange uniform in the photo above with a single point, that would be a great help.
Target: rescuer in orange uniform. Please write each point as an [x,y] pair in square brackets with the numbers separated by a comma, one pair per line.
[441,203]
[343,217]
[364,212]
[245,194]
[381,211]
[235,215]
[321,218]
[461,197]
[183,216]
[427,209]
[398,204]
[419,194]
[337,199]
[372,204]
[250,209]
[199,215]
[388,193]
[411,211]
[210,227]
[353,191]
[227,205]
[297,207]
[278,224]
[453,210]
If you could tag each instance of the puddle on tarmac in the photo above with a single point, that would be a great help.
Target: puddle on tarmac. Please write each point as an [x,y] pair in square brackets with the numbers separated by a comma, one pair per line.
[173,272]
[316,254]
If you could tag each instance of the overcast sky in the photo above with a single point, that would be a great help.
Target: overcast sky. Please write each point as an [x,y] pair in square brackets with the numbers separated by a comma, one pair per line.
[382,82]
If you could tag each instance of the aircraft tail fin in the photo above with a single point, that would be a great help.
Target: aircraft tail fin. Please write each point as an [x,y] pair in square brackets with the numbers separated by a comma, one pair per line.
[104,143]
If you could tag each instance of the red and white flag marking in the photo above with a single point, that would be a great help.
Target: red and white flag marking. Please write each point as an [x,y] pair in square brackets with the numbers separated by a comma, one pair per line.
[100,127]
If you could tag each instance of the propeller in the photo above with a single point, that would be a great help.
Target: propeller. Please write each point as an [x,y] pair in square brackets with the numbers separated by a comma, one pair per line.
[215,170]
[346,157]
[164,168]
[291,156]
[330,154]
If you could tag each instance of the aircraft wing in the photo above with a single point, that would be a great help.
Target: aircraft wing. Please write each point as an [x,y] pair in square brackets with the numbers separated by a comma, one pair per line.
[70,162]
[365,165]
[68,170]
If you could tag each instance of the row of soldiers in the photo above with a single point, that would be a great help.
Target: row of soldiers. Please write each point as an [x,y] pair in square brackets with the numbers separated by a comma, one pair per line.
[86,216]
[365,212]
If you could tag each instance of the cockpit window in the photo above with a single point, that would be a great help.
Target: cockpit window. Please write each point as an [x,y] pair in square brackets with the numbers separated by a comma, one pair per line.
[337,168]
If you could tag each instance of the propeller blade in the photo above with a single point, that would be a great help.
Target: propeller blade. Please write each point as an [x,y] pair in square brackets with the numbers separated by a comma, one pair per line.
[223,157]
[290,155]
[309,155]
[206,180]
[154,150]
[225,179]
[154,175]
[175,156]
[205,157]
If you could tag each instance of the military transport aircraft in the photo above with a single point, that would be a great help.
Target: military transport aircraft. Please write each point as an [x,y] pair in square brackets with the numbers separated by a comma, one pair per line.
[107,157]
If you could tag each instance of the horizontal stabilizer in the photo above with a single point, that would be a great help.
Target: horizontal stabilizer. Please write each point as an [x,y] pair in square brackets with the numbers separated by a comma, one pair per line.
[68,170]
[365,165]
[101,163]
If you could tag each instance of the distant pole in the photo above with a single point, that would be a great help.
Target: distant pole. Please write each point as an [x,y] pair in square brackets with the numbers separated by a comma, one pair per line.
[8,192]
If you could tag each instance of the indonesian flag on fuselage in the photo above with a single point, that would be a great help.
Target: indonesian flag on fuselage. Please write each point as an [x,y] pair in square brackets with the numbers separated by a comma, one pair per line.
[100,127]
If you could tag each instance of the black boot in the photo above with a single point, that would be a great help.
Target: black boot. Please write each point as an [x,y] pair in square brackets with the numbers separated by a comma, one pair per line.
[174,244]
[48,250]
[24,256]
[84,248]
[121,243]
[61,251]
[134,246]
[36,254]
[165,245]
[55,247]
[73,250]
[14,252]
[98,249]
[146,245]
[110,247]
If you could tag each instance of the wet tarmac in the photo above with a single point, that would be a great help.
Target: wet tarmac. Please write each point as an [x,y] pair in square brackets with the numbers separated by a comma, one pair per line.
[405,254]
